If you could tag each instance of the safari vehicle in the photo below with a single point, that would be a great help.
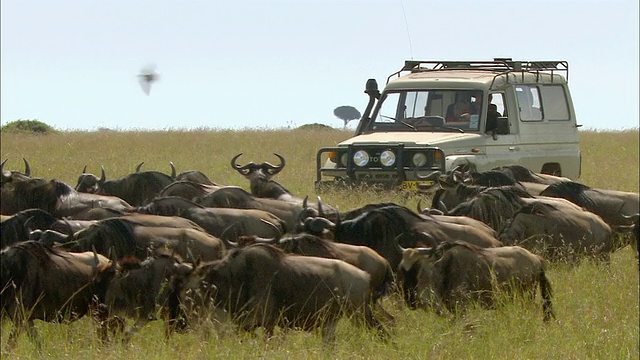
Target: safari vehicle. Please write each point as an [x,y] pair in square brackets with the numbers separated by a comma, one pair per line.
[435,115]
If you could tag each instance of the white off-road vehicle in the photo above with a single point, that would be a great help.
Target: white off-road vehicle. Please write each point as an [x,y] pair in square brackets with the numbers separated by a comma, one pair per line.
[435,115]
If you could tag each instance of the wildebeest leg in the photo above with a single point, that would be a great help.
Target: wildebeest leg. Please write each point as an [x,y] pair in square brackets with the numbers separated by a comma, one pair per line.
[137,325]
[373,323]
[378,309]
[13,336]
[33,335]
[329,332]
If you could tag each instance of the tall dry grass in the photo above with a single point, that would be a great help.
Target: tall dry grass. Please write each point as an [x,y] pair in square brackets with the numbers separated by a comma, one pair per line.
[596,305]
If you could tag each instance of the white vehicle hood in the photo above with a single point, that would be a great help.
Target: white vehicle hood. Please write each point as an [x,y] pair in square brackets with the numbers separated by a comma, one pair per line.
[412,138]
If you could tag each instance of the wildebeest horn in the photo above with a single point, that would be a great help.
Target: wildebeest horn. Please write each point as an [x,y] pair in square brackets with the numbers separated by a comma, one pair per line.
[633,218]
[103,176]
[84,170]
[304,202]
[318,224]
[320,209]
[139,166]
[419,206]
[173,170]
[274,169]
[95,255]
[277,231]
[191,258]
[433,176]
[27,168]
[1,168]
[233,162]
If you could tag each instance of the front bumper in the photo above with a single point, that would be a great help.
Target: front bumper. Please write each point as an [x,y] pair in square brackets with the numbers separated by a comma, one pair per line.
[402,174]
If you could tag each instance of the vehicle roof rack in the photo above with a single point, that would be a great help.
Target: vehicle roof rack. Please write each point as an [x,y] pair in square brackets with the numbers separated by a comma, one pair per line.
[502,65]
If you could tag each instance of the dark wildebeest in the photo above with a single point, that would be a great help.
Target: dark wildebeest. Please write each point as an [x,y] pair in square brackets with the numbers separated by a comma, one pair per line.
[129,238]
[261,286]
[6,175]
[379,228]
[18,227]
[522,174]
[195,176]
[263,186]
[559,234]
[41,283]
[614,207]
[229,223]
[453,274]
[260,178]
[136,188]
[362,257]
[59,199]
[234,197]
[138,290]
[187,189]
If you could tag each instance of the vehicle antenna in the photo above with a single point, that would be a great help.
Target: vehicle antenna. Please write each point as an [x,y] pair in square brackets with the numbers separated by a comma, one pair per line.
[406,24]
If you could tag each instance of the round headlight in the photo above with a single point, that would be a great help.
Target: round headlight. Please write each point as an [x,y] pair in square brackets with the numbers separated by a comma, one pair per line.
[343,159]
[387,158]
[361,158]
[419,159]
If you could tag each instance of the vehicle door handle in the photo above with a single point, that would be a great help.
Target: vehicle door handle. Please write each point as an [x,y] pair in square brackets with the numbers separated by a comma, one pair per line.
[512,148]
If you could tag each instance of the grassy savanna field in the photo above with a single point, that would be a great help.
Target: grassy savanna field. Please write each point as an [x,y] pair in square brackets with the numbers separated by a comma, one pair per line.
[596,305]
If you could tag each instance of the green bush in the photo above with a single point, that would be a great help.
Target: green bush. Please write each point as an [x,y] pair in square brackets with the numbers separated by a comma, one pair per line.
[27,127]
[315,126]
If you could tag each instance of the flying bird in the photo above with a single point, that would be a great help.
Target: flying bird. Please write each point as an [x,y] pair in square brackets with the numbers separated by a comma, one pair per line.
[147,77]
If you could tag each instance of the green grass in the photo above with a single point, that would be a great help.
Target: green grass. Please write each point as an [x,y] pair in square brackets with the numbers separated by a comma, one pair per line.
[596,306]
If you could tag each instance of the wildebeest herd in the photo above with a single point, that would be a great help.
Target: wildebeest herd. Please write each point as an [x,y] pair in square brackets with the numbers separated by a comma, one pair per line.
[196,252]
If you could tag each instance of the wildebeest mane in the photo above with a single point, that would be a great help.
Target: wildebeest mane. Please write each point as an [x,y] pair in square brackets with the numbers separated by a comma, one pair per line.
[16,228]
[493,206]
[108,235]
[520,173]
[352,214]
[492,178]
[168,206]
[572,191]
[322,246]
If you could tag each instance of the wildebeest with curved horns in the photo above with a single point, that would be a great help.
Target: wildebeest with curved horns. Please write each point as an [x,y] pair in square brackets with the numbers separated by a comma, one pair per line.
[229,223]
[362,257]
[59,199]
[379,228]
[260,178]
[128,238]
[41,283]
[19,225]
[614,207]
[453,274]
[7,175]
[137,188]
[235,197]
[261,286]
[137,290]
[559,234]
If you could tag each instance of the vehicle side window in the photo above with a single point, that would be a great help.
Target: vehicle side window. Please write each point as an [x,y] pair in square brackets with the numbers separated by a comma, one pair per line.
[529,103]
[554,101]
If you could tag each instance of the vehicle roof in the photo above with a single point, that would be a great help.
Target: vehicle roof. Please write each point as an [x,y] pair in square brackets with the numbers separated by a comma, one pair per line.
[476,74]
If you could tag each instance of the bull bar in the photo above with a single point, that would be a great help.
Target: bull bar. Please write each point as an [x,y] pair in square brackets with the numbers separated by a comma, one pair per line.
[386,176]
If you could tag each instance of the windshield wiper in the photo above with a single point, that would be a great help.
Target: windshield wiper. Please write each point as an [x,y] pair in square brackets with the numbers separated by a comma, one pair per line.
[400,121]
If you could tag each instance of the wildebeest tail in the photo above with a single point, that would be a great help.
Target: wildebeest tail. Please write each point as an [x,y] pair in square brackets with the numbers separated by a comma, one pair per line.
[547,293]
[385,286]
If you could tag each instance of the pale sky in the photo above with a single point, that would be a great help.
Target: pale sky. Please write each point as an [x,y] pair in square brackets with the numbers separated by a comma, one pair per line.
[275,64]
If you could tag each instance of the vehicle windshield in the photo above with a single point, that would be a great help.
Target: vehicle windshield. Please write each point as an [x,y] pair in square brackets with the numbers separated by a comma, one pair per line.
[429,110]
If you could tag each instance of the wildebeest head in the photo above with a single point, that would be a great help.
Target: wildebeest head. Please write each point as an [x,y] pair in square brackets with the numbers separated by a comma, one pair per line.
[259,176]
[417,266]
[10,175]
[89,183]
